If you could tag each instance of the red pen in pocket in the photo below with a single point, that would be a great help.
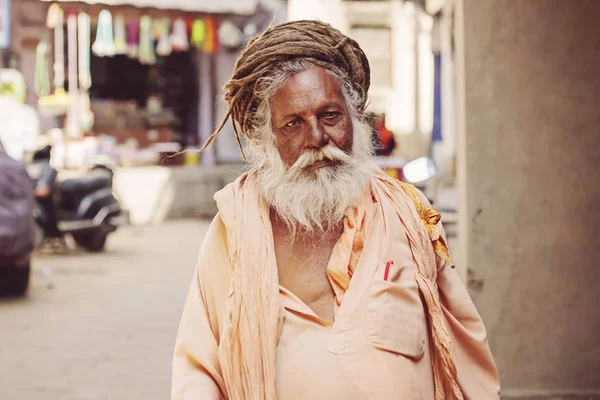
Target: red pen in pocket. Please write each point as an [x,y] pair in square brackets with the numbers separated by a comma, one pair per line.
[386,274]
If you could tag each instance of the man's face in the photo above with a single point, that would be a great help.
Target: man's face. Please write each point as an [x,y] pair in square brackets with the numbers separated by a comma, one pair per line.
[308,113]
[319,161]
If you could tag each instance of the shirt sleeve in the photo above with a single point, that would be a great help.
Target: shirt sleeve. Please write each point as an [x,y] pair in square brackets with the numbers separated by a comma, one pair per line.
[196,373]
[476,370]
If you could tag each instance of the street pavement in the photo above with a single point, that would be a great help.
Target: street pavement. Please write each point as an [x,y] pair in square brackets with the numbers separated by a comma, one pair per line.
[100,326]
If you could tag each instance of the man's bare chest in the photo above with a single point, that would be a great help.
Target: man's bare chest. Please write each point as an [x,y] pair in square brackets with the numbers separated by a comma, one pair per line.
[303,271]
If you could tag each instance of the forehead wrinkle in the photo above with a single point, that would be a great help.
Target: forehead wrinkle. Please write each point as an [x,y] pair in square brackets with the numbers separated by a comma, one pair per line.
[318,93]
[305,102]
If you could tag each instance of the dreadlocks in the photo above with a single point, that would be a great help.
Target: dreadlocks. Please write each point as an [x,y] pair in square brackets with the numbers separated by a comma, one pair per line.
[315,41]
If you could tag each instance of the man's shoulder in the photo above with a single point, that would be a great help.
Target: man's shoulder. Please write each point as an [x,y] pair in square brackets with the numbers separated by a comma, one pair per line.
[232,187]
[216,235]
[416,194]
[225,198]
[214,252]
[418,198]
[214,264]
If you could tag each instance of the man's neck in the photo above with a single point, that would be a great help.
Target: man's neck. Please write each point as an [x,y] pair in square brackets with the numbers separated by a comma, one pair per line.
[301,236]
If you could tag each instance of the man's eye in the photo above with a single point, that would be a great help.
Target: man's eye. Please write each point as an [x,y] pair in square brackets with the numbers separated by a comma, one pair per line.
[331,114]
[290,124]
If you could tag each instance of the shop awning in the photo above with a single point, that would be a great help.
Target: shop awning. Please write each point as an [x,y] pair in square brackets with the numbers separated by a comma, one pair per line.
[200,6]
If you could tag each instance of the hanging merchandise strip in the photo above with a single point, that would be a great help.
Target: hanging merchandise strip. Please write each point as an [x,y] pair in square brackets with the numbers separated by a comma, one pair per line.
[215,30]
[85,115]
[54,16]
[146,49]
[189,23]
[72,53]
[133,37]
[163,48]
[211,39]
[42,76]
[59,50]
[84,30]
[119,31]
[73,127]
[104,46]
[119,27]
[155,30]
[230,36]
[179,38]
[198,34]
[57,103]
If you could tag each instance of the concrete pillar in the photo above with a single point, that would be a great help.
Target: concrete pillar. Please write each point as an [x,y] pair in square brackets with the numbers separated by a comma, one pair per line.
[532,172]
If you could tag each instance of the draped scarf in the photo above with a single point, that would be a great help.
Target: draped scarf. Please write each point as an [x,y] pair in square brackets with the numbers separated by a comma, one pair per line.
[254,315]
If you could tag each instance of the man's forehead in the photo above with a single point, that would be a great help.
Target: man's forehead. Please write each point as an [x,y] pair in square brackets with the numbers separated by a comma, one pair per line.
[311,88]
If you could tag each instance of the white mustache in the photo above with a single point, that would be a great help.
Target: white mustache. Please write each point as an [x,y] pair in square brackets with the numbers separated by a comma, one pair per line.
[309,157]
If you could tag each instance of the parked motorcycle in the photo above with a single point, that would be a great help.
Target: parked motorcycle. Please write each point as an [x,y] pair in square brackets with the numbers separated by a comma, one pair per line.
[84,207]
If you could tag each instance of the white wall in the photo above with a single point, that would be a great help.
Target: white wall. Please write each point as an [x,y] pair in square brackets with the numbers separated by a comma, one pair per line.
[401,109]
[446,149]
[426,76]
[330,11]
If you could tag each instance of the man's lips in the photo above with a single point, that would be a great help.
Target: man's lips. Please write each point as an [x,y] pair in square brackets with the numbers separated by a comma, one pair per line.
[320,164]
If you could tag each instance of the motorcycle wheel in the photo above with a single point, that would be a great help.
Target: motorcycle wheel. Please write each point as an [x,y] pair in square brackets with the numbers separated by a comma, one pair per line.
[92,241]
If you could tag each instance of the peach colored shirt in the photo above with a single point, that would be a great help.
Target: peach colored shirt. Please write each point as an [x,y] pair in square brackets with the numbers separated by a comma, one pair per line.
[377,348]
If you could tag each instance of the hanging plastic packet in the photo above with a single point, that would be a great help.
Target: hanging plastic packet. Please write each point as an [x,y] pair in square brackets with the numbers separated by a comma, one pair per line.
[230,36]
[57,103]
[56,21]
[83,42]
[133,38]
[104,46]
[54,16]
[86,116]
[198,34]
[155,29]
[250,29]
[210,39]
[164,48]
[73,127]
[215,36]
[73,63]
[146,49]
[179,37]
[119,28]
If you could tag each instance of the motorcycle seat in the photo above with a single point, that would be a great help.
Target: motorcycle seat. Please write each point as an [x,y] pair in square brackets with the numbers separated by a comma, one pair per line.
[85,185]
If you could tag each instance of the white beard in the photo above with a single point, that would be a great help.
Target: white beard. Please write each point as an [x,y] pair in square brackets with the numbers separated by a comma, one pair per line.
[315,201]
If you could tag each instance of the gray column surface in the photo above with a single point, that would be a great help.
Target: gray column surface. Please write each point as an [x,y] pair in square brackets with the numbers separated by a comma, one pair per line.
[532,82]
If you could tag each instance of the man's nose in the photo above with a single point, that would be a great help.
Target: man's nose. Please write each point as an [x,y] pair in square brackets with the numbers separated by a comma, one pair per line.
[317,137]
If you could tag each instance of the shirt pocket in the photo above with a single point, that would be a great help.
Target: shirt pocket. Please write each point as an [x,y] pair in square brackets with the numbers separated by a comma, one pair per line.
[395,314]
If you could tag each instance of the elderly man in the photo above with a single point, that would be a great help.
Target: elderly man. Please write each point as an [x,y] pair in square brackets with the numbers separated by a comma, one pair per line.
[321,277]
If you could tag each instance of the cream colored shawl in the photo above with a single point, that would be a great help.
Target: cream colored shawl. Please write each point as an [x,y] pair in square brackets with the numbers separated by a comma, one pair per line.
[254,315]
